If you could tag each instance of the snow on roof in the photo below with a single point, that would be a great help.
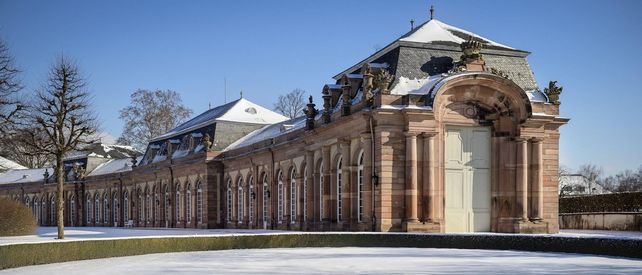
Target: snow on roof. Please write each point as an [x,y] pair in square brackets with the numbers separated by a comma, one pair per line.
[241,110]
[268,132]
[23,175]
[435,30]
[415,86]
[114,166]
[6,164]
[104,151]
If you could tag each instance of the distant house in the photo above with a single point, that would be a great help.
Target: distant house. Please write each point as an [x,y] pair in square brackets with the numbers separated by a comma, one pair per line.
[578,185]
[6,164]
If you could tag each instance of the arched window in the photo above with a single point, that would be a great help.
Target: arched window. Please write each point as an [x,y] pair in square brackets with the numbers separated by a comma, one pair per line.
[115,206]
[148,205]
[293,196]
[339,170]
[98,219]
[155,205]
[89,209]
[167,206]
[229,201]
[266,199]
[280,199]
[106,209]
[36,209]
[43,210]
[53,210]
[240,201]
[126,207]
[199,203]
[360,187]
[141,207]
[251,195]
[188,204]
[305,194]
[177,202]
[321,195]
[72,211]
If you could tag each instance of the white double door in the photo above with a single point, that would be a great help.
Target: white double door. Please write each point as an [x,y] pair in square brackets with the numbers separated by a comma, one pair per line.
[467,183]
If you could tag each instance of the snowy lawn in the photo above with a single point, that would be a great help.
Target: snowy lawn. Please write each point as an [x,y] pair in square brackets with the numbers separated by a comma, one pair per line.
[48,234]
[345,260]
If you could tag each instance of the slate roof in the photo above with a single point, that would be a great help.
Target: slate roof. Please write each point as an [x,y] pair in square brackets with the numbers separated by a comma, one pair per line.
[431,48]
[24,175]
[6,164]
[240,110]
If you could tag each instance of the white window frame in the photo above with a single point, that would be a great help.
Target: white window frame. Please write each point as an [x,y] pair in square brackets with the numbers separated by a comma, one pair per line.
[266,200]
[293,193]
[188,204]
[305,194]
[177,203]
[106,209]
[250,209]
[321,198]
[239,201]
[89,208]
[114,207]
[280,198]
[199,203]
[229,201]
[126,208]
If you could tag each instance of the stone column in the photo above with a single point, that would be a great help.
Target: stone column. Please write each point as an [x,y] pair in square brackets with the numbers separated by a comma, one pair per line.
[429,176]
[311,190]
[538,179]
[366,144]
[411,176]
[522,176]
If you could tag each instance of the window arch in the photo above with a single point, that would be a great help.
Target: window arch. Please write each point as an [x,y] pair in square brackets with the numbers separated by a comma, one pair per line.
[229,201]
[89,209]
[115,206]
[280,198]
[199,203]
[339,191]
[188,203]
[251,196]
[360,187]
[106,209]
[126,207]
[293,192]
[177,202]
[239,201]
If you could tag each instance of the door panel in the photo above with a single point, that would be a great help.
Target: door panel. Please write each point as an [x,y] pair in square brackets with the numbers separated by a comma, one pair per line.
[467,182]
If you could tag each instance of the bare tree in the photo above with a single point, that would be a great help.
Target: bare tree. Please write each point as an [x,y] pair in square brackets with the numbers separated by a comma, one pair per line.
[592,173]
[15,148]
[60,120]
[9,87]
[150,114]
[292,104]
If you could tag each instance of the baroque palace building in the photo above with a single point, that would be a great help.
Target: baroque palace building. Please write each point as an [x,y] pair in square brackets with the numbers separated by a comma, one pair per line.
[442,130]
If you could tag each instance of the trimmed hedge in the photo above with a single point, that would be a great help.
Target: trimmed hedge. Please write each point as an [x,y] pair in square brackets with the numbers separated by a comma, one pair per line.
[43,253]
[15,218]
[617,202]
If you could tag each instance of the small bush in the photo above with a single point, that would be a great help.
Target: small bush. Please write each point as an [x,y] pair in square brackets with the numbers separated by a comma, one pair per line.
[15,219]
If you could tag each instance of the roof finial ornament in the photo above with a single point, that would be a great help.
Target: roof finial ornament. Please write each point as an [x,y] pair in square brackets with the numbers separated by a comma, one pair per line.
[241,94]
[412,24]
[432,12]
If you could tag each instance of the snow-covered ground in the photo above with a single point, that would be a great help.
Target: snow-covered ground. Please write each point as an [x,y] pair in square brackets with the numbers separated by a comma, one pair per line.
[48,234]
[345,260]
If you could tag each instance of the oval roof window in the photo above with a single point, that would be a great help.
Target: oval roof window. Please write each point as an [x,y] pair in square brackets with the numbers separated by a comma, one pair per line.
[251,110]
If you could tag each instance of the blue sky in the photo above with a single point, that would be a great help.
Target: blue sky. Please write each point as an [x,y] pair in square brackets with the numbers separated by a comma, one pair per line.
[267,48]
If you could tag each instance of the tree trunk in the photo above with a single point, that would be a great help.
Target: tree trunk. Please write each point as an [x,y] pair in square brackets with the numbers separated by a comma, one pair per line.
[60,177]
